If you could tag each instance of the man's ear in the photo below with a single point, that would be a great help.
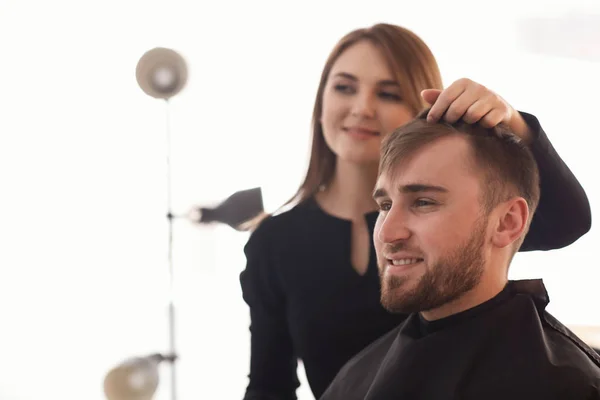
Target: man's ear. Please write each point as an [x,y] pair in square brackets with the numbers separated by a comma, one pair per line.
[512,222]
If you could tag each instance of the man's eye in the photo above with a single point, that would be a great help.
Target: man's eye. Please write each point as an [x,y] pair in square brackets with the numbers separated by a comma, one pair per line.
[385,206]
[424,203]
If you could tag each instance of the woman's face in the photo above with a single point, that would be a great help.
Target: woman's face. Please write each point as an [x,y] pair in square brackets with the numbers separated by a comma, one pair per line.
[361,104]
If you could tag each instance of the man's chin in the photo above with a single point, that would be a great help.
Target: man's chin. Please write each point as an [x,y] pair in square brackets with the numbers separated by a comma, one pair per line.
[393,283]
[395,305]
[393,293]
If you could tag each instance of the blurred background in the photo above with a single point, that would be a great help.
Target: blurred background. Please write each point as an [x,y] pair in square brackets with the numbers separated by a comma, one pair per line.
[83,233]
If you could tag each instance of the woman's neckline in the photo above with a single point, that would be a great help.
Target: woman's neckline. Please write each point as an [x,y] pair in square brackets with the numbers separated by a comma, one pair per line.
[313,203]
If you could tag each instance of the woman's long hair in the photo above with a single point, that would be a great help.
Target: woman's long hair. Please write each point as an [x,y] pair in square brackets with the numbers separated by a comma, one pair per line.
[415,69]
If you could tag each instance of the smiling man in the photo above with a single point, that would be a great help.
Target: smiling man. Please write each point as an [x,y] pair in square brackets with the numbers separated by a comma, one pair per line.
[455,204]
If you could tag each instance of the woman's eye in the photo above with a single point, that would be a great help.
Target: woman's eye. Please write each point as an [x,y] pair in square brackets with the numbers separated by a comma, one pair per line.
[344,88]
[390,96]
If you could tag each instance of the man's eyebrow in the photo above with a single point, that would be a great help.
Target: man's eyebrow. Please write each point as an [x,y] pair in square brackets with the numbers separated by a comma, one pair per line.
[420,187]
[379,192]
[410,188]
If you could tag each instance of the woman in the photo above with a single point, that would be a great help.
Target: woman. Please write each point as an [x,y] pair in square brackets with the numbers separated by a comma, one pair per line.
[311,278]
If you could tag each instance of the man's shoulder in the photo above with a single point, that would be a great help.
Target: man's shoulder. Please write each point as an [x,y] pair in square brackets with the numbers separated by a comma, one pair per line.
[534,356]
[568,351]
[550,339]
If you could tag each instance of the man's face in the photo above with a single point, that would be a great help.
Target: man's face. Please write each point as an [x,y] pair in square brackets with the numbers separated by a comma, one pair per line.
[431,230]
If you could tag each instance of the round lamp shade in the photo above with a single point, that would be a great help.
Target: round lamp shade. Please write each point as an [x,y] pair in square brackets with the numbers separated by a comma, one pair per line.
[161,73]
[135,379]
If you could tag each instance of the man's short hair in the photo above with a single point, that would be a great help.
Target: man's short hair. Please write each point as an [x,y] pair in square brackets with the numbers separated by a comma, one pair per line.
[507,167]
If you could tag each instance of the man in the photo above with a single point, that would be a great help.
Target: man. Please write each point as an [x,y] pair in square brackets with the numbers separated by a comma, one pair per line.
[455,204]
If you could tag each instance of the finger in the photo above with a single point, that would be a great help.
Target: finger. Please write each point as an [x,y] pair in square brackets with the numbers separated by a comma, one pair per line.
[459,107]
[444,100]
[493,118]
[477,111]
[430,95]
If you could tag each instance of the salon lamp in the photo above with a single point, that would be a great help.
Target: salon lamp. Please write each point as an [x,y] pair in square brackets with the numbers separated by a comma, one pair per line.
[162,73]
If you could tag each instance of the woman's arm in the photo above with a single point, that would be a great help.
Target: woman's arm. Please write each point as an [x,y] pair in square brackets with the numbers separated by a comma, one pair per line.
[563,214]
[272,362]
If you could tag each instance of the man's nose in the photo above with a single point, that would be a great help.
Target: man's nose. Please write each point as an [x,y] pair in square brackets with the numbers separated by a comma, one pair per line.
[393,227]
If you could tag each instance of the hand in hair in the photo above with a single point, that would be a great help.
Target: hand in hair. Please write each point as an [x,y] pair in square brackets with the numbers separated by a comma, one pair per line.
[474,103]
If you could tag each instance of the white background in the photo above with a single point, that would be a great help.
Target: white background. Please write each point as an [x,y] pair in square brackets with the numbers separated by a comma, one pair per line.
[83,265]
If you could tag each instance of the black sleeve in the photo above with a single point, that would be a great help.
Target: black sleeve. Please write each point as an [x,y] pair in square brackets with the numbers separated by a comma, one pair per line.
[272,361]
[563,214]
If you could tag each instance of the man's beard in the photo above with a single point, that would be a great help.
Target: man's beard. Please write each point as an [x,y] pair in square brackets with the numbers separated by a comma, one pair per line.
[445,281]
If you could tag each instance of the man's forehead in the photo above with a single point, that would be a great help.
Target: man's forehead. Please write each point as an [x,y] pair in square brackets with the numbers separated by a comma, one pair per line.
[389,180]
[439,163]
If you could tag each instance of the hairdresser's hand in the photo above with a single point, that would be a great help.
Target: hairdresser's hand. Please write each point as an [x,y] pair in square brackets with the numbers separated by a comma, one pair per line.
[474,103]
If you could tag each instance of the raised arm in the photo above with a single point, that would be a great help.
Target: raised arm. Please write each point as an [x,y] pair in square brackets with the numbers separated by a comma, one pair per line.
[563,214]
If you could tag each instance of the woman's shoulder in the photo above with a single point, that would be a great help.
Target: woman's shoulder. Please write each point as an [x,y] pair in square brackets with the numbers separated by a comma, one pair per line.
[277,234]
[277,225]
